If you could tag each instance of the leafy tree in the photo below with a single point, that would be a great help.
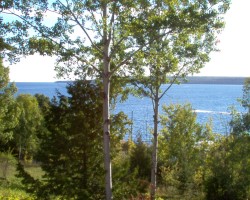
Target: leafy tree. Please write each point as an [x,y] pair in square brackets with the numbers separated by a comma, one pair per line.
[8,111]
[43,102]
[229,158]
[126,184]
[229,174]
[179,43]
[246,94]
[240,123]
[182,151]
[228,163]
[29,125]
[7,160]
[90,39]
[99,38]
[71,150]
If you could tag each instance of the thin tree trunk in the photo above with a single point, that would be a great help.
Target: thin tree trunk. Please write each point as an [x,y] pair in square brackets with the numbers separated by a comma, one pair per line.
[20,149]
[106,138]
[106,114]
[155,148]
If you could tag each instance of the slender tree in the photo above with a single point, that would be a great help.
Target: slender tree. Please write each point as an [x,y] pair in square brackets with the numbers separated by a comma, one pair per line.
[178,45]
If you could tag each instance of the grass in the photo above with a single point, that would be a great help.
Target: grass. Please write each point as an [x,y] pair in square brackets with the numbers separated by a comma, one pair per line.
[11,187]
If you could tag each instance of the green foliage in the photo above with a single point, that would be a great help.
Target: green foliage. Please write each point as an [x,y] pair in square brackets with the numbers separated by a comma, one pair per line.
[7,160]
[246,95]
[229,164]
[126,183]
[177,40]
[140,160]
[240,123]
[229,174]
[44,103]
[182,151]
[106,40]
[30,123]
[71,153]
[9,112]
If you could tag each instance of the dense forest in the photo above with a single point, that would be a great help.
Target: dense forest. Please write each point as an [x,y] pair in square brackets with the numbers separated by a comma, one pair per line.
[71,147]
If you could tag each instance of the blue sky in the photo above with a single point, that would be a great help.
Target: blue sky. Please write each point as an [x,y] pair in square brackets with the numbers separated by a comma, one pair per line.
[232,60]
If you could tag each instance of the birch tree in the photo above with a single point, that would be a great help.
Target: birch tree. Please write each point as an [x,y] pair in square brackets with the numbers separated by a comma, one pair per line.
[178,45]
[90,38]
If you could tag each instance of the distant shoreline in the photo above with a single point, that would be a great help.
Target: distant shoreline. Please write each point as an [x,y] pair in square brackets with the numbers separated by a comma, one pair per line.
[215,80]
[206,80]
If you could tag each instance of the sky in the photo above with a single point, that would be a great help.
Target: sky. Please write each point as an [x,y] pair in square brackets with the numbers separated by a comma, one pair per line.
[231,60]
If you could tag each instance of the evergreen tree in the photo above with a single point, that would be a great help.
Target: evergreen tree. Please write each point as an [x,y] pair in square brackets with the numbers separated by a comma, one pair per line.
[71,149]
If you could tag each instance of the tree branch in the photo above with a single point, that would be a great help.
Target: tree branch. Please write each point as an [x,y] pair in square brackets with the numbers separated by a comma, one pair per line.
[96,23]
[111,23]
[52,40]
[81,26]
[173,80]
[125,60]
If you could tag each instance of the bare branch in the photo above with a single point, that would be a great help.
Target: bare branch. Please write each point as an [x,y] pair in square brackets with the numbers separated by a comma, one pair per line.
[173,80]
[96,23]
[115,46]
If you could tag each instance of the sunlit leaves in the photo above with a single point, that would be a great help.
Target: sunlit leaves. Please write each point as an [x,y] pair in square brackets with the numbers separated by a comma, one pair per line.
[8,110]
[41,46]
[182,149]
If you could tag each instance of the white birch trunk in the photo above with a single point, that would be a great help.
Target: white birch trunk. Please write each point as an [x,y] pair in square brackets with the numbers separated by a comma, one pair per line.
[155,149]
[106,113]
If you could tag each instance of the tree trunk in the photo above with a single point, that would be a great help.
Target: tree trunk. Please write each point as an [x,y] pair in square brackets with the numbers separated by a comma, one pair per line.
[106,114]
[155,148]
[106,138]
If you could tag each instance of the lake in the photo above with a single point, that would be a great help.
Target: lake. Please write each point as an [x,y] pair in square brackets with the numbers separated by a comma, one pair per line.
[209,101]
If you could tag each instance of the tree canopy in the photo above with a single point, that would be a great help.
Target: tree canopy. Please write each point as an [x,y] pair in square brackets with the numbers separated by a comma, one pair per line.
[8,109]
[99,39]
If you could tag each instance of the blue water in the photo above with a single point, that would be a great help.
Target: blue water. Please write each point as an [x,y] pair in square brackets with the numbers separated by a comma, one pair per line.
[209,102]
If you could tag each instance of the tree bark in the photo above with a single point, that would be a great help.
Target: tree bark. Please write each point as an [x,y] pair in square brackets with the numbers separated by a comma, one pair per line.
[106,113]
[155,149]
[106,137]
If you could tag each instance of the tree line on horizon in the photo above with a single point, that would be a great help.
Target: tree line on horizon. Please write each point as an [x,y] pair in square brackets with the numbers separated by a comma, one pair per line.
[142,43]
